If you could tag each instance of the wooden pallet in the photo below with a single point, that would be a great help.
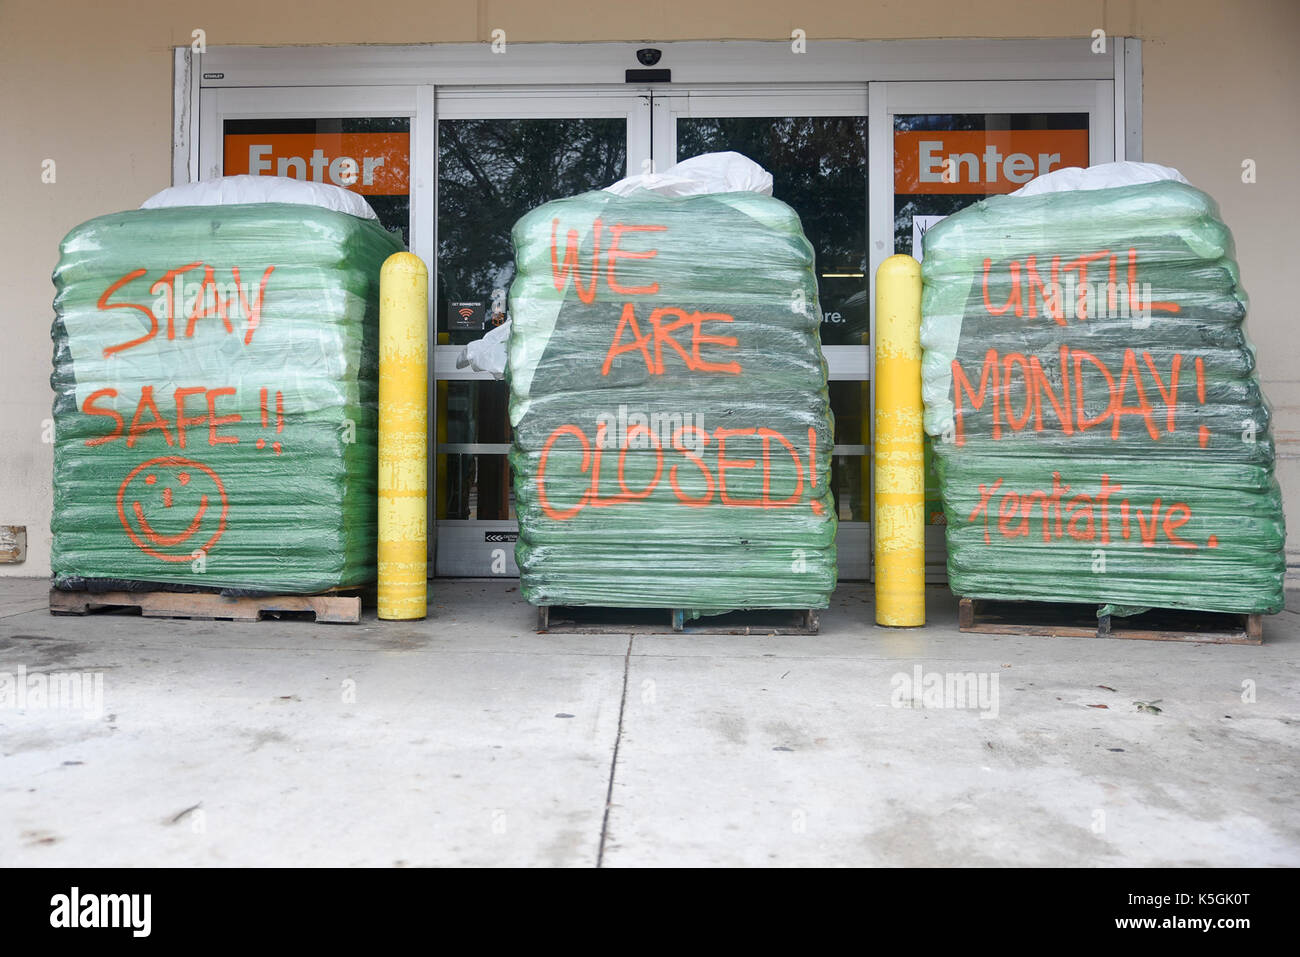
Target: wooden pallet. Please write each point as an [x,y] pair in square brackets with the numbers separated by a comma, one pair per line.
[603,620]
[1058,619]
[342,609]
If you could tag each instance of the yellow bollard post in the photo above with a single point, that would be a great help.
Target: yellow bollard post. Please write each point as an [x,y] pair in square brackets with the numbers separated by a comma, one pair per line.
[403,437]
[899,457]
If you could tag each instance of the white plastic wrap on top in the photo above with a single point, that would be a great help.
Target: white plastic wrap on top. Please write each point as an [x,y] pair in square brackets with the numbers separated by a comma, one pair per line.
[1101,176]
[241,190]
[707,173]
[487,354]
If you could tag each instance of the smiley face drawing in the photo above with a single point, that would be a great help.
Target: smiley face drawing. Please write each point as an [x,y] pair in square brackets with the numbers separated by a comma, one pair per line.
[172,482]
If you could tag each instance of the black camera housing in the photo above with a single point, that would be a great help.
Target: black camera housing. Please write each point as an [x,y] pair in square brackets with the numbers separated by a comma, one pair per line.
[649,56]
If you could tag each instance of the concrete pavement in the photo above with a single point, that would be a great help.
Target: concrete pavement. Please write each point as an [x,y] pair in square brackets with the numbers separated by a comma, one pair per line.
[467,739]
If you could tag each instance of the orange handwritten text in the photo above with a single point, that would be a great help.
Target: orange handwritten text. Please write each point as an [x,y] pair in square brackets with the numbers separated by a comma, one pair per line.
[1056,515]
[1138,389]
[561,271]
[776,458]
[176,298]
[150,417]
[1068,291]
[665,321]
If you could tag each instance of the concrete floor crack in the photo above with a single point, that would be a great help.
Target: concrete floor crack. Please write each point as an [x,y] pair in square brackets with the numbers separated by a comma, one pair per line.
[613,761]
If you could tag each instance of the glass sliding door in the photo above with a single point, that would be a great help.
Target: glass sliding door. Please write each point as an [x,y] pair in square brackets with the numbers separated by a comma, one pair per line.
[954,144]
[814,143]
[499,156]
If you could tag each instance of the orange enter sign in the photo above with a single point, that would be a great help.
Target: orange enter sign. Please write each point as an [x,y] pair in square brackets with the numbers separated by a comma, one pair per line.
[978,161]
[374,164]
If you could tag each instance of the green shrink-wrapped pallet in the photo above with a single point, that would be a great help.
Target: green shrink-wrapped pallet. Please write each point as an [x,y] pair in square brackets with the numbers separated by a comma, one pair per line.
[671,422]
[1100,432]
[215,380]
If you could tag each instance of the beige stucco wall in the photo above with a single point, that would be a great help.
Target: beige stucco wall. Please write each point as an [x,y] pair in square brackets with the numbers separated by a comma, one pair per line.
[88,84]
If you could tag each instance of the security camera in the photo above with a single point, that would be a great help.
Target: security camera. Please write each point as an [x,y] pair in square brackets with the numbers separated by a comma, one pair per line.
[649,56]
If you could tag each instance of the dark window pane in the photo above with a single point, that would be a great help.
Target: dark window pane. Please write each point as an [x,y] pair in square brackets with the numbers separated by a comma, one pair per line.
[473,484]
[819,167]
[492,172]
[850,474]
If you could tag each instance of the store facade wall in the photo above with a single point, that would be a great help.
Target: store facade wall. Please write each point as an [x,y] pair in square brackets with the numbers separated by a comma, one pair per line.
[92,92]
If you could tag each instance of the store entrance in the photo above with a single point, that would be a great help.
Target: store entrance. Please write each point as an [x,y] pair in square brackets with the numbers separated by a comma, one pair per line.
[502,154]
[935,147]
